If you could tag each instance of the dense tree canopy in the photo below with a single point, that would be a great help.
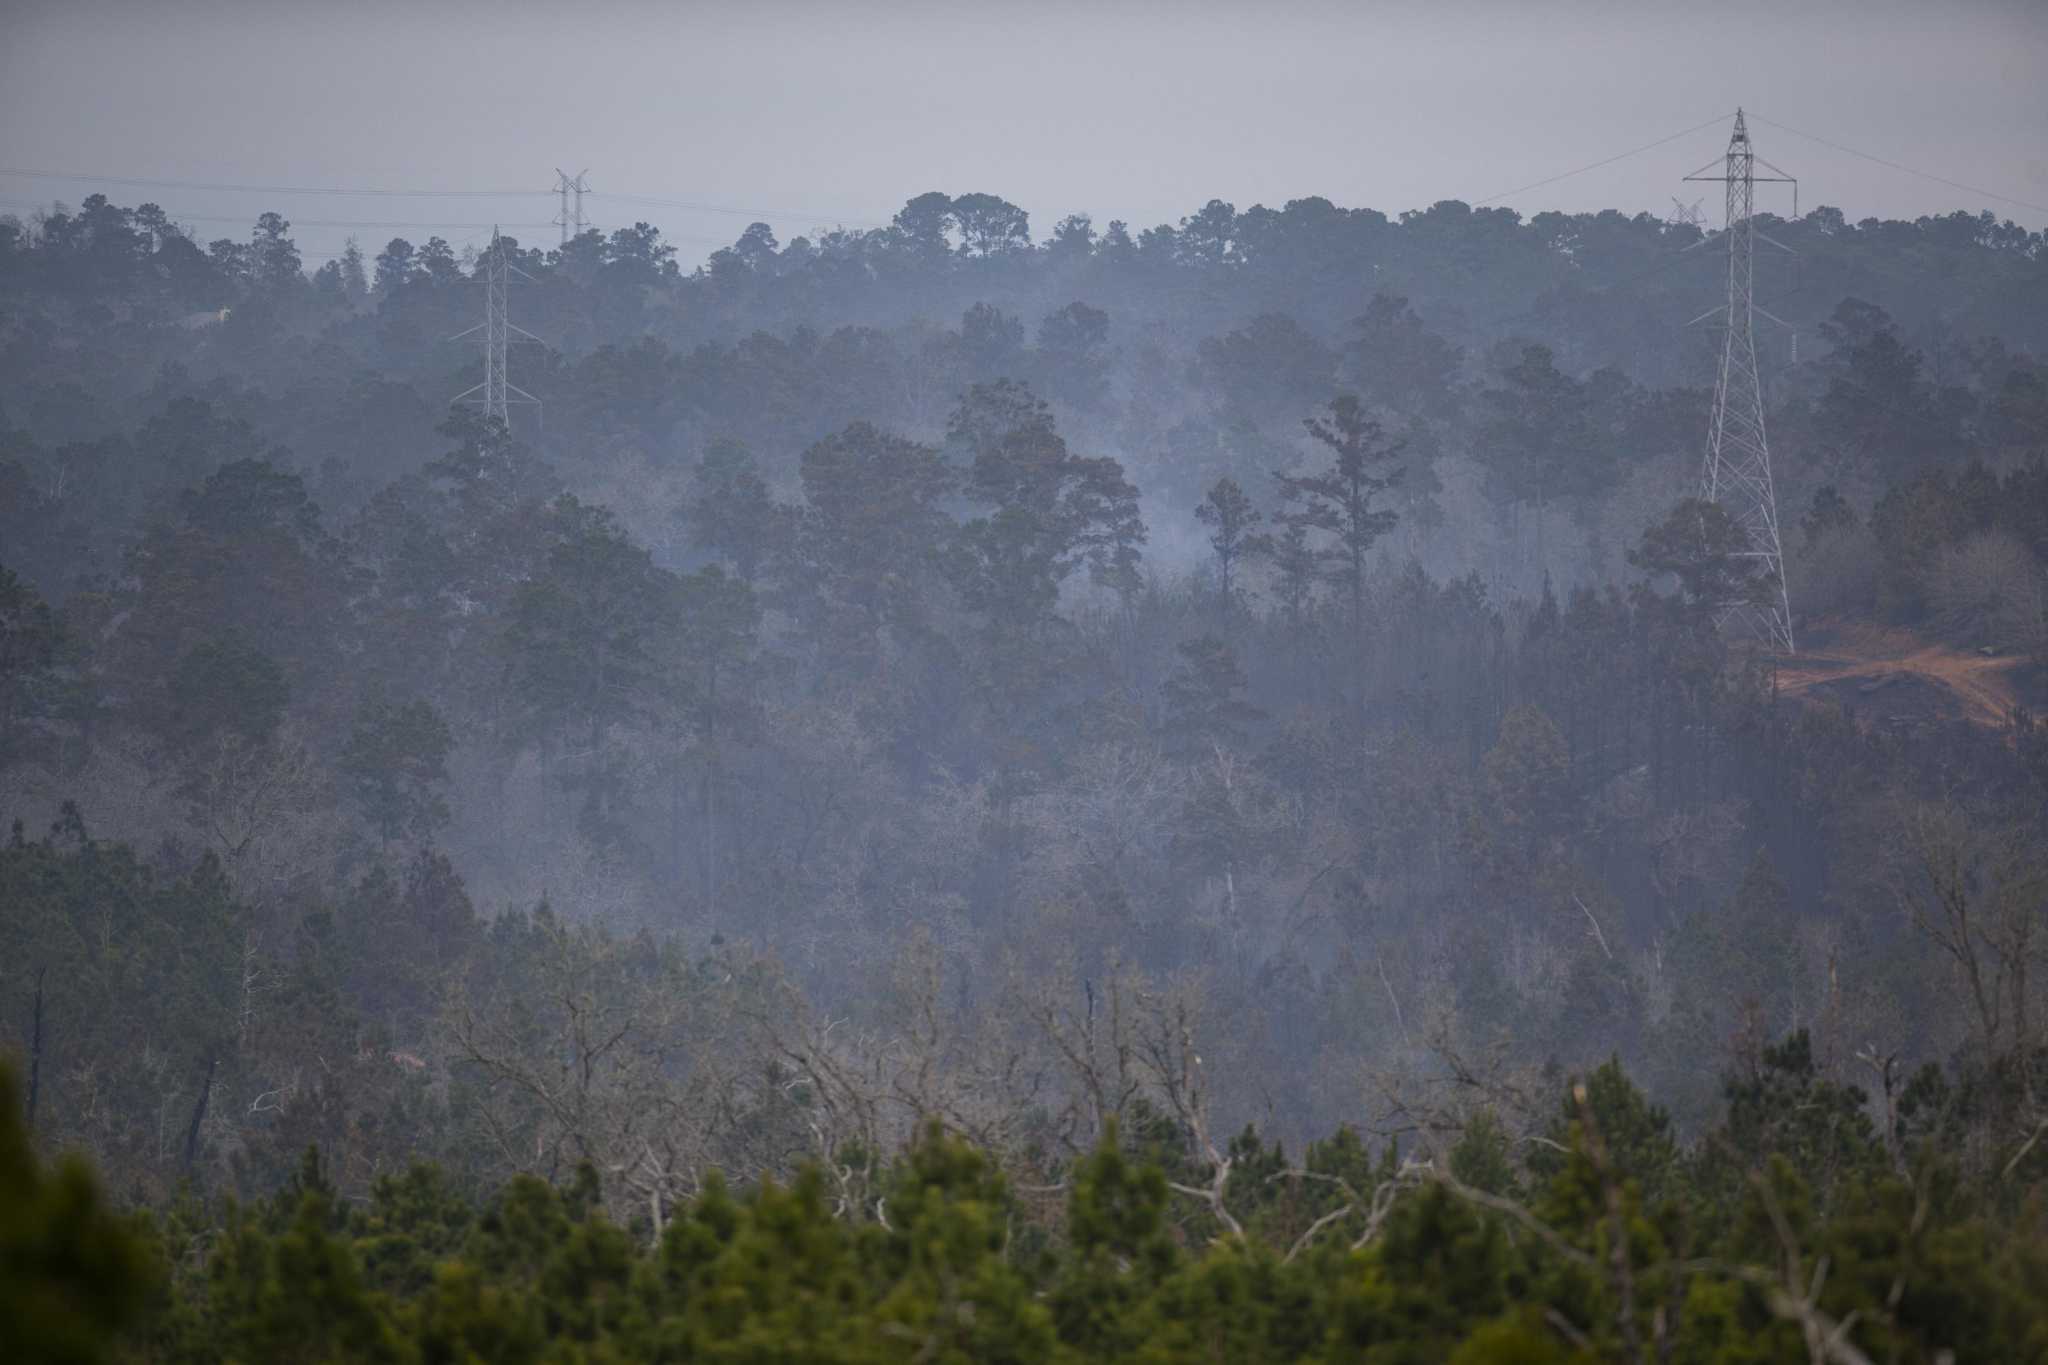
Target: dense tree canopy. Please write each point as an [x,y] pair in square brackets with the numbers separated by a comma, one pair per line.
[1173,793]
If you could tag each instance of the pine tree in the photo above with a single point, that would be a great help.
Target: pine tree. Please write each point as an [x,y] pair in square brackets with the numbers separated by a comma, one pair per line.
[74,1275]
[1232,521]
[1341,503]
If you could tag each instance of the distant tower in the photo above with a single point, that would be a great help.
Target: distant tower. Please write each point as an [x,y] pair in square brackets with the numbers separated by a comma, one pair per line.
[570,219]
[497,393]
[1738,466]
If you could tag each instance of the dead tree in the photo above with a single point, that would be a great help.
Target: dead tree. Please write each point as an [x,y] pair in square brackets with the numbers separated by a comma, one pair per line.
[35,1051]
[199,1114]
[1166,1031]
[1980,899]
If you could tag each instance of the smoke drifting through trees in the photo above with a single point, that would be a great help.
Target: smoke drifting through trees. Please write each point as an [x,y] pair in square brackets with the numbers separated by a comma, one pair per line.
[1255,671]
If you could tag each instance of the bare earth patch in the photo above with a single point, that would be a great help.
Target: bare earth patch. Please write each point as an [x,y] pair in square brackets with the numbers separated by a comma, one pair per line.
[1890,674]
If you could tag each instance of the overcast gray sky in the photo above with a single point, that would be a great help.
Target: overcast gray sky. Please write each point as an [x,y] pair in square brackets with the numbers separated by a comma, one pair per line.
[809,114]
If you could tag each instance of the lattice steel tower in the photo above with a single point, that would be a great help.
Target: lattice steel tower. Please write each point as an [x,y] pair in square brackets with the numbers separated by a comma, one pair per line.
[571,220]
[1738,465]
[497,393]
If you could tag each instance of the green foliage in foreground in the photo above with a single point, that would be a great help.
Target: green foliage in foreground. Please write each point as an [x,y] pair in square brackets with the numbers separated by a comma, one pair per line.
[72,1273]
[1419,1266]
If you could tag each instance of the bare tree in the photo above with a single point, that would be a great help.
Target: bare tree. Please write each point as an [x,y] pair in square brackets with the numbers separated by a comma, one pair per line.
[1166,1024]
[259,805]
[1090,1029]
[645,1070]
[1980,897]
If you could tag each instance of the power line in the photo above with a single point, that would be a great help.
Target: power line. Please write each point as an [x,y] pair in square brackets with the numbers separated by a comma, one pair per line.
[1660,263]
[33,205]
[784,214]
[314,222]
[1607,161]
[264,189]
[371,192]
[1901,166]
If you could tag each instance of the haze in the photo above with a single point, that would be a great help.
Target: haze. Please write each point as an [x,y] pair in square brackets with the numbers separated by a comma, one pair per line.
[1083,684]
[812,114]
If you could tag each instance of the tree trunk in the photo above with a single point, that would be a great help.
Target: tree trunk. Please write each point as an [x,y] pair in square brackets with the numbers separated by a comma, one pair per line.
[675,809]
[711,766]
[35,1051]
[199,1115]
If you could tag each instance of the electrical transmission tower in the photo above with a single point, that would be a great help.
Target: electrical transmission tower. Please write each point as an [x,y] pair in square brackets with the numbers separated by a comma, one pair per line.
[497,393]
[1738,466]
[571,220]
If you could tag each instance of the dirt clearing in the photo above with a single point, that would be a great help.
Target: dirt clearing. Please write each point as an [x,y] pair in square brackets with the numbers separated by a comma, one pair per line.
[1895,675]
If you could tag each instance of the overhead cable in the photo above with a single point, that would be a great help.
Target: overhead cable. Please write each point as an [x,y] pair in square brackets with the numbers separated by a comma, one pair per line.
[221,187]
[1901,166]
[1605,161]
[763,214]
[263,189]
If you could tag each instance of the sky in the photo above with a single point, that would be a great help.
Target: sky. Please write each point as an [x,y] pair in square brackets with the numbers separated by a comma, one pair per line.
[813,114]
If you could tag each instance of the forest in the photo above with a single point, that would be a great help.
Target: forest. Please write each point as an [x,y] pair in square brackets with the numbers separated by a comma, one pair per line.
[947,794]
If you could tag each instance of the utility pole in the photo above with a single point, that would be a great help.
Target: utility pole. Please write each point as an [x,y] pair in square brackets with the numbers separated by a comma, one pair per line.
[497,393]
[1737,473]
[571,220]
